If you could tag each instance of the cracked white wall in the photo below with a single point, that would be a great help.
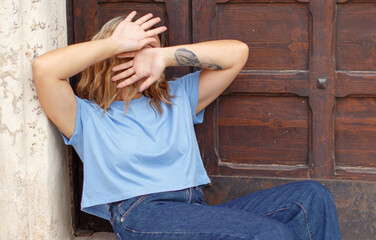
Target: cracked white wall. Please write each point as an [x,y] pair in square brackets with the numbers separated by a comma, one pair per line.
[34,190]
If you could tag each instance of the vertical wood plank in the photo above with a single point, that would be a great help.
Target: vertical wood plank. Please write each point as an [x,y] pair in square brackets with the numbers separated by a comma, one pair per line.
[70,18]
[179,23]
[179,30]
[84,11]
[322,99]
[203,29]
[204,15]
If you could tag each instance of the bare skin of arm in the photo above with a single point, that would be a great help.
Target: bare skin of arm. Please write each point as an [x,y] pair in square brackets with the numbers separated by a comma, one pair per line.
[51,70]
[221,62]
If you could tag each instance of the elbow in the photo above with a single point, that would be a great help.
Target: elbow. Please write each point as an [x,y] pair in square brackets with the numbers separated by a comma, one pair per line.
[38,73]
[38,68]
[237,55]
[244,52]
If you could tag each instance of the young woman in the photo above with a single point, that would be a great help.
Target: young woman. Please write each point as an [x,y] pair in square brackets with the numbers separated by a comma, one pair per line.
[134,133]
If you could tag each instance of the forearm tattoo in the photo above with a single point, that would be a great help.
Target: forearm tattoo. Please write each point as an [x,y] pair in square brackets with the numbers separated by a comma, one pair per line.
[184,57]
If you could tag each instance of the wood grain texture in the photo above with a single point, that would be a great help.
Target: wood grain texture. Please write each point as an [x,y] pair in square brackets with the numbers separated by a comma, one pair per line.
[263,170]
[261,1]
[203,17]
[107,11]
[178,31]
[356,173]
[257,81]
[254,130]
[355,83]
[356,38]
[355,131]
[322,100]
[277,33]
[235,145]
[84,29]
[355,123]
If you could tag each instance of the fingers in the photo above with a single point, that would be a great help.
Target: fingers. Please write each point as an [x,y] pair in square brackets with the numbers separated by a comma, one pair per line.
[130,16]
[143,19]
[127,54]
[146,84]
[123,66]
[129,81]
[147,41]
[156,31]
[150,23]
[123,75]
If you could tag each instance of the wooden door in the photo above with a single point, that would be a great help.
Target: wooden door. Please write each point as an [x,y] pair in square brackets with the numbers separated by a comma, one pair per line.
[303,107]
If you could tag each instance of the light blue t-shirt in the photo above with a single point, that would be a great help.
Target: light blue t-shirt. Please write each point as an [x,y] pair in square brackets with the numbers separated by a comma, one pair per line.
[139,153]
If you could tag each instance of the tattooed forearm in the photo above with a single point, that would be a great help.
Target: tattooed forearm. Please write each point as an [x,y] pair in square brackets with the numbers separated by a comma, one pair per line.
[184,57]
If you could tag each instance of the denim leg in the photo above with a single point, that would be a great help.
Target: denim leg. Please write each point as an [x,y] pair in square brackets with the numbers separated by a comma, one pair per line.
[179,216]
[306,207]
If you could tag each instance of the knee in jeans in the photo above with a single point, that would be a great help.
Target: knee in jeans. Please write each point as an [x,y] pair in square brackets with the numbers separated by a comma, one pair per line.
[317,190]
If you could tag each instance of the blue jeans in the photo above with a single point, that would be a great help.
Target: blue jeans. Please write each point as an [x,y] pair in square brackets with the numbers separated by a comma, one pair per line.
[299,210]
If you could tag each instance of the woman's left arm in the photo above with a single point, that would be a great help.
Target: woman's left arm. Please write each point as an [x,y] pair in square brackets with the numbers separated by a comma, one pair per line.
[221,61]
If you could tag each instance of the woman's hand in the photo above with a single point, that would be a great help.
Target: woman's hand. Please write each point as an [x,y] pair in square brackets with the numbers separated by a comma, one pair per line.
[133,36]
[148,64]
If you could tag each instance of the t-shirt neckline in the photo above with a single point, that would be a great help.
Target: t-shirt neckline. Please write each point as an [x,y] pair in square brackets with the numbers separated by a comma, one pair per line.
[136,100]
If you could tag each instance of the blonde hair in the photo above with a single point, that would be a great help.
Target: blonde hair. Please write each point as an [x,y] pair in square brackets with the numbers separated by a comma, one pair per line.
[96,85]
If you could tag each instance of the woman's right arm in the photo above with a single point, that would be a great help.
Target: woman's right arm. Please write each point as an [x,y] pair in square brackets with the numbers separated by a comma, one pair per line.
[51,70]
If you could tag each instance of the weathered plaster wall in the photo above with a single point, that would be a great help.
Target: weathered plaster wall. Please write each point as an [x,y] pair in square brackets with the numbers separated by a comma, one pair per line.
[34,191]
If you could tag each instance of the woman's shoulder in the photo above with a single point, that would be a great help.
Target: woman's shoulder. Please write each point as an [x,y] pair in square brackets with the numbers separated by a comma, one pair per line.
[83,101]
[87,106]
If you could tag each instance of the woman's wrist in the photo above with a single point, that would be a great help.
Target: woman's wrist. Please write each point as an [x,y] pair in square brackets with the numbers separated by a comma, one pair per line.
[114,47]
[169,56]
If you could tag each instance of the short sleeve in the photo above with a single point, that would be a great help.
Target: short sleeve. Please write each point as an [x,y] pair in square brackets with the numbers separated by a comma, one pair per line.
[78,126]
[190,83]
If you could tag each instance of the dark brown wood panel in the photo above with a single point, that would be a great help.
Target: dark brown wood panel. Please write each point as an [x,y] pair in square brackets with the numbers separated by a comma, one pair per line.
[109,10]
[256,81]
[277,33]
[261,1]
[355,83]
[355,131]
[246,142]
[355,113]
[254,130]
[356,36]
[355,173]
[84,10]
[355,1]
